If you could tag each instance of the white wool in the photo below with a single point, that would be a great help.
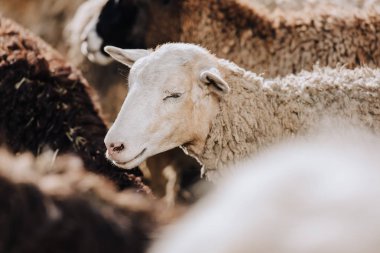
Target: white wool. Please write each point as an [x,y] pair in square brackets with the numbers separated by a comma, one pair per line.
[319,195]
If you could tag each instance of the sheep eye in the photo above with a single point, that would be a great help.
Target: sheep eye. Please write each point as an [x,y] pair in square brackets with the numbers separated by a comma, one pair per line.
[173,95]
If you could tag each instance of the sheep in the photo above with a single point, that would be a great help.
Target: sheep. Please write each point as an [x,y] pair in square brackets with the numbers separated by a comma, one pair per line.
[316,194]
[52,204]
[253,37]
[220,113]
[48,104]
[132,24]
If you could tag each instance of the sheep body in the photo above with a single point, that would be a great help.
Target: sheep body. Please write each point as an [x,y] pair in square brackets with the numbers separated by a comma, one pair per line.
[259,112]
[315,194]
[283,44]
[47,103]
[230,113]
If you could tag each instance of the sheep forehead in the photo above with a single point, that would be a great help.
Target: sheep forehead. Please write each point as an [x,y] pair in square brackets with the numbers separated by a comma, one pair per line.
[156,73]
[170,61]
[181,49]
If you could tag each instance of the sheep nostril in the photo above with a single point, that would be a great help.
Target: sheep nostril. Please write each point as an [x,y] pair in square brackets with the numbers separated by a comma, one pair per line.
[117,147]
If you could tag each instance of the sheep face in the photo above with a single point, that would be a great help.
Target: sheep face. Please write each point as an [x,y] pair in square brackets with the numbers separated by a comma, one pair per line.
[173,97]
[130,24]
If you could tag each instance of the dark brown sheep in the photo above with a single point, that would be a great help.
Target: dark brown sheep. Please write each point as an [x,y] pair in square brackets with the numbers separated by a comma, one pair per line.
[54,205]
[47,103]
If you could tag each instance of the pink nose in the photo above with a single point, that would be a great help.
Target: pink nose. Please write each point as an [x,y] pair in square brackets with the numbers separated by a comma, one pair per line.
[115,148]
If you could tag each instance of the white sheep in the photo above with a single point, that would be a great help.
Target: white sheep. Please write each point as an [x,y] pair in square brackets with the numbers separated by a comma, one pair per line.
[317,195]
[235,30]
[181,95]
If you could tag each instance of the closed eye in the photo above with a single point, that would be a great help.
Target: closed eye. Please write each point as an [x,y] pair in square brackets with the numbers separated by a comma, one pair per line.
[173,95]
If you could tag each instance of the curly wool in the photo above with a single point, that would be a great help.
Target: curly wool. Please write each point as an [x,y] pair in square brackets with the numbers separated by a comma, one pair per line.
[279,44]
[47,103]
[259,112]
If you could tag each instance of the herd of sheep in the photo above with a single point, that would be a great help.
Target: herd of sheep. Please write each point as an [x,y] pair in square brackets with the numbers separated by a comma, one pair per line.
[264,113]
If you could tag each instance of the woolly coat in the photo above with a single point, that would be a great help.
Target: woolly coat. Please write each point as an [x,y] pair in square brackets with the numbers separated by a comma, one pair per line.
[279,45]
[48,104]
[259,112]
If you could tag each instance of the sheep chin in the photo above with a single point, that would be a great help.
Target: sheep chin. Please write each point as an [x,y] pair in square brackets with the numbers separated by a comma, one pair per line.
[136,161]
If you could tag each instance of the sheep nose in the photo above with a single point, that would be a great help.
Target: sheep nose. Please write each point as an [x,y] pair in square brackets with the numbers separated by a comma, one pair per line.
[115,148]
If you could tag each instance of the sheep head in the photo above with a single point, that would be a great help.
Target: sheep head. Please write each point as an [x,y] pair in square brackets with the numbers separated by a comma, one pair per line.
[173,97]
[130,24]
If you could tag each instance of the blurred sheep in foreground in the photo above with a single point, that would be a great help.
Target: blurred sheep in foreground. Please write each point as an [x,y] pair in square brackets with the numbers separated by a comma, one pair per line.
[319,194]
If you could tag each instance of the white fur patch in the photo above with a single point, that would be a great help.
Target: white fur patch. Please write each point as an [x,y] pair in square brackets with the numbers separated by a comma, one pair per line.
[91,45]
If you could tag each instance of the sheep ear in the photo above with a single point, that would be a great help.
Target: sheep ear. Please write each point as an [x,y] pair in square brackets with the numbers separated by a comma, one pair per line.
[213,79]
[126,56]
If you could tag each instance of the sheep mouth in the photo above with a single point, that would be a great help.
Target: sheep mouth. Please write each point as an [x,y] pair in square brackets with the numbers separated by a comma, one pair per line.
[121,164]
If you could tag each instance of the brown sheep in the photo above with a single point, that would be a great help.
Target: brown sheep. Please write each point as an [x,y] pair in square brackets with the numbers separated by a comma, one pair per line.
[47,103]
[53,205]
